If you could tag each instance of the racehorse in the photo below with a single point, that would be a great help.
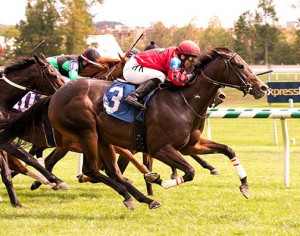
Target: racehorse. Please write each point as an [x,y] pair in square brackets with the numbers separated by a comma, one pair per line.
[171,121]
[28,74]
[114,69]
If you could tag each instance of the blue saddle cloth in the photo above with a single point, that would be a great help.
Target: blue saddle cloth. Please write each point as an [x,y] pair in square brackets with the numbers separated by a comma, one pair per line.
[115,105]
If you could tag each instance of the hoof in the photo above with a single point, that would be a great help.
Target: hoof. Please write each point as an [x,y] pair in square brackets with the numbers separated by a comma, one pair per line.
[62,186]
[154,205]
[245,191]
[174,176]
[17,205]
[130,204]
[215,172]
[151,177]
[35,185]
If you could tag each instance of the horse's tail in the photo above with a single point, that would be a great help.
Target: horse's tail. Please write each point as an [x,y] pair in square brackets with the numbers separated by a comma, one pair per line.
[22,123]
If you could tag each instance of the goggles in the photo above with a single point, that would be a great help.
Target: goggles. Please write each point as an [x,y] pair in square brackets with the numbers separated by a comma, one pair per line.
[192,59]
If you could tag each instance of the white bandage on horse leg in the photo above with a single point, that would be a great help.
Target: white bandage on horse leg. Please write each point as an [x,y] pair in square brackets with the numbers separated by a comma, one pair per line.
[239,168]
[37,176]
[172,182]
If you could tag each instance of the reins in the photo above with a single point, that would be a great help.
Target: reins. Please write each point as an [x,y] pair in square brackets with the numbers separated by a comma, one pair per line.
[21,87]
[245,87]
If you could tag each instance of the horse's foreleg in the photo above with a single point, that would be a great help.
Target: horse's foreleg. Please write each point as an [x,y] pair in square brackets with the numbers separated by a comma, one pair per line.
[50,161]
[6,178]
[205,146]
[30,160]
[148,162]
[172,158]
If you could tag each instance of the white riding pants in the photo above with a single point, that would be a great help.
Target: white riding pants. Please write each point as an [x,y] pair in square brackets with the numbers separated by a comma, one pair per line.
[136,74]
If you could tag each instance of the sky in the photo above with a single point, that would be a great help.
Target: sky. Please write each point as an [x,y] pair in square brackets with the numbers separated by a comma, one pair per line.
[170,12]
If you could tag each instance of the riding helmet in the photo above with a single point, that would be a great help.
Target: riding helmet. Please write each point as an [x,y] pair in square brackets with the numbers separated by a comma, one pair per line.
[188,47]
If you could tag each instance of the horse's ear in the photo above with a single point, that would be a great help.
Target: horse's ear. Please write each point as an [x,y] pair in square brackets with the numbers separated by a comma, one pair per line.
[221,53]
[36,57]
[42,56]
[122,57]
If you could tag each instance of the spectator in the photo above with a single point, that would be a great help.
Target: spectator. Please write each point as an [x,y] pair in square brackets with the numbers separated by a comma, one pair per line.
[152,45]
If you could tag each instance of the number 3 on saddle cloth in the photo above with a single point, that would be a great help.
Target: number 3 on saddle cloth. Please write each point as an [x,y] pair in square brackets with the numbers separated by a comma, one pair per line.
[115,105]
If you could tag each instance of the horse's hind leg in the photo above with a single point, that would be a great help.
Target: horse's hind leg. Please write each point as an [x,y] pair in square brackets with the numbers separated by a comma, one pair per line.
[108,158]
[6,178]
[91,161]
[205,146]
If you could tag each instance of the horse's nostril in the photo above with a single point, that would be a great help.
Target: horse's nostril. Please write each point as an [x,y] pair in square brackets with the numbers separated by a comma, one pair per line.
[264,88]
[222,96]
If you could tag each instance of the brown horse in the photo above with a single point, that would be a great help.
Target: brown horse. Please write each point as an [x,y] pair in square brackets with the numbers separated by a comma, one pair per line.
[114,68]
[172,124]
[28,74]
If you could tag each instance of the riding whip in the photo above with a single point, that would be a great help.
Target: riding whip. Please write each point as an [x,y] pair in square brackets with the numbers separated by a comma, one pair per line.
[265,72]
[39,45]
[113,68]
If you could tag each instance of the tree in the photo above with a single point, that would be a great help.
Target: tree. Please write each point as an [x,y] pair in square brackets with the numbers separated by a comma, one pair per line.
[244,32]
[77,24]
[42,22]
[265,27]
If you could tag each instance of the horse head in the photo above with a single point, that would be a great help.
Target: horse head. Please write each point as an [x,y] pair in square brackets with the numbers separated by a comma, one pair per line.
[33,74]
[238,73]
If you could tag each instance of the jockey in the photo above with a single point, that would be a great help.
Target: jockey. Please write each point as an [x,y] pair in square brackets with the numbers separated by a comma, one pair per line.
[72,66]
[149,68]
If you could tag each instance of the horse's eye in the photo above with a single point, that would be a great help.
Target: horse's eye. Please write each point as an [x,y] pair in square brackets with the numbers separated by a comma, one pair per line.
[240,66]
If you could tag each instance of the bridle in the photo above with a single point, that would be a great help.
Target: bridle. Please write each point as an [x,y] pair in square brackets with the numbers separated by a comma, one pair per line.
[246,83]
[245,87]
[44,75]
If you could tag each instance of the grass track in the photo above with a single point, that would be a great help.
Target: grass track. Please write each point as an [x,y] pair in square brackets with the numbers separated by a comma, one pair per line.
[209,205]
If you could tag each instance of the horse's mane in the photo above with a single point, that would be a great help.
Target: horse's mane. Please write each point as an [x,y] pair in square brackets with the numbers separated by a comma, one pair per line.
[105,63]
[209,55]
[20,64]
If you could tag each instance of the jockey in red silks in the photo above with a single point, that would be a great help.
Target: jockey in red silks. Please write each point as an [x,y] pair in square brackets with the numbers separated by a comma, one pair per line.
[152,67]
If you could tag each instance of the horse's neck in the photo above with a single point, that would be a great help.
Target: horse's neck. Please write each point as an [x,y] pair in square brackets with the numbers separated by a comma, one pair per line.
[201,92]
[199,96]
[10,95]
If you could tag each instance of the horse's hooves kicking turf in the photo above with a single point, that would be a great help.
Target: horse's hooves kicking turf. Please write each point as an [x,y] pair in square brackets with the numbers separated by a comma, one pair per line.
[130,204]
[154,205]
[215,172]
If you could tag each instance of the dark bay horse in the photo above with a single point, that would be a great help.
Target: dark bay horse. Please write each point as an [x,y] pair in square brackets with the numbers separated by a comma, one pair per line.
[172,122]
[27,74]
[114,68]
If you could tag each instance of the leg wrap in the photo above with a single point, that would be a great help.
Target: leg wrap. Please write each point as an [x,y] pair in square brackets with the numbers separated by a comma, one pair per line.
[172,182]
[239,168]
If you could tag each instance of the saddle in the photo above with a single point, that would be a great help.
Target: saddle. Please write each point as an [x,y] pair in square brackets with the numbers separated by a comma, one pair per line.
[115,105]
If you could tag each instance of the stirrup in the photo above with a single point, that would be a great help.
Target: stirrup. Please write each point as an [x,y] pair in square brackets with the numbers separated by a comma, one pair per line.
[133,101]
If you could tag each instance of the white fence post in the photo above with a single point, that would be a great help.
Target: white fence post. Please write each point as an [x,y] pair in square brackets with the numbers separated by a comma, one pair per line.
[286,153]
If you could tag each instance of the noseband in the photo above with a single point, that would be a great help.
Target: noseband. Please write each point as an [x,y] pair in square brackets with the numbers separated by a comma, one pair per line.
[246,87]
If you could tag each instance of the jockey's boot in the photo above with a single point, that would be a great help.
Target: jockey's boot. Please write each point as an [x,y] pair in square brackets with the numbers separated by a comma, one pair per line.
[142,91]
